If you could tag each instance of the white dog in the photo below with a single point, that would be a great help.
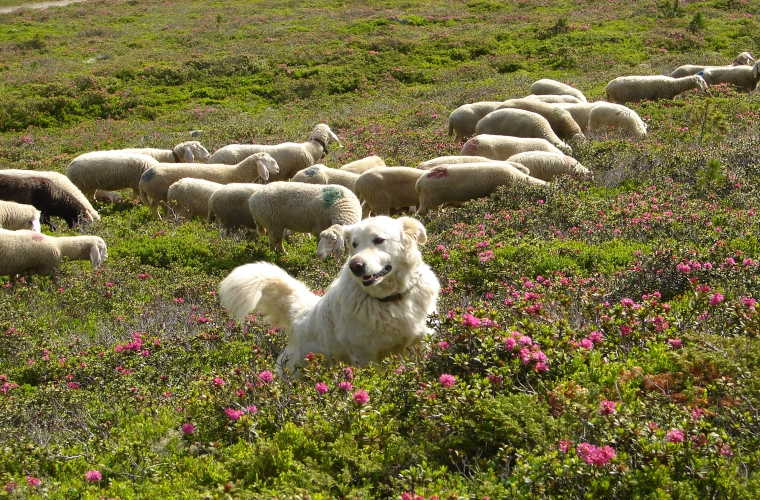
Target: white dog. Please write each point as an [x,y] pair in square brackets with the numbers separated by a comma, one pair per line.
[376,306]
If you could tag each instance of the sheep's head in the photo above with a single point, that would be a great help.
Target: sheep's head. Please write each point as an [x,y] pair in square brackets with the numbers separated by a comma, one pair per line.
[700,81]
[331,242]
[98,252]
[265,165]
[323,133]
[743,59]
[191,152]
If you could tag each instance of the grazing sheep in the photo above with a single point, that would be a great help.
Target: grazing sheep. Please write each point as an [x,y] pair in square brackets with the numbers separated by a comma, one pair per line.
[520,123]
[607,115]
[304,208]
[229,205]
[459,183]
[155,182]
[546,166]
[184,152]
[320,174]
[19,216]
[387,189]
[634,88]
[51,193]
[743,58]
[562,122]
[579,111]
[331,242]
[547,86]
[191,196]
[364,164]
[462,121]
[553,98]
[744,77]
[290,156]
[27,252]
[688,70]
[450,160]
[501,147]
[104,171]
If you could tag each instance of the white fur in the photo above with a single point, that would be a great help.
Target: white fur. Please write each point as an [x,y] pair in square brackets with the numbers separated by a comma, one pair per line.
[349,323]
[547,86]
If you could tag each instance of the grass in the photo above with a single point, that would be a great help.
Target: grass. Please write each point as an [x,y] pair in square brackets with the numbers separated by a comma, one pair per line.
[638,287]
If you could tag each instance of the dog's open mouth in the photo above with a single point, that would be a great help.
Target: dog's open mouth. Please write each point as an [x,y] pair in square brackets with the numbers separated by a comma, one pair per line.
[374,278]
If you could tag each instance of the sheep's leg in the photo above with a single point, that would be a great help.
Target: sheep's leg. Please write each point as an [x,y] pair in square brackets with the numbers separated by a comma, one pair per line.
[275,238]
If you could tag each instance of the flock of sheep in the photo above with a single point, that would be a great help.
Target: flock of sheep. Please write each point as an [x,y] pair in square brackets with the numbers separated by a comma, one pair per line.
[273,188]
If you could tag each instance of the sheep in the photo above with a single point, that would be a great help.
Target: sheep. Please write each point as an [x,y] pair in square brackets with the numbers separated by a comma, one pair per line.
[459,183]
[300,207]
[331,242]
[320,174]
[155,182]
[364,164]
[520,123]
[19,216]
[290,156]
[104,171]
[744,77]
[462,121]
[117,169]
[386,189]
[562,122]
[743,58]
[450,160]
[547,86]
[191,196]
[546,166]
[553,98]
[501,147]
[53,194]
[28,252]
[229,205]
[634,88]
[606,115]
[579,111]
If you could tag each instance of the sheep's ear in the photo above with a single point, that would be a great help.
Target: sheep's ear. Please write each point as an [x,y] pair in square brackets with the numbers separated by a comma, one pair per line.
[267,166]
[200,154]
[414,229]
[36,226]
[185,154]
[334,137]
[95,257]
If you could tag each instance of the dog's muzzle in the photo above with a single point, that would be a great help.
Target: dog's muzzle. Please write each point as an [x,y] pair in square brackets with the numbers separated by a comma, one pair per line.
[359,269]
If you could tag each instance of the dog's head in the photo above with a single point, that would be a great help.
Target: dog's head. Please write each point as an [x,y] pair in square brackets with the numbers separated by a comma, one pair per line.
[382,252]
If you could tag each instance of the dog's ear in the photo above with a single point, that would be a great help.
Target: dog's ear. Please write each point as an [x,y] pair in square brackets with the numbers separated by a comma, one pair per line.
[414,229]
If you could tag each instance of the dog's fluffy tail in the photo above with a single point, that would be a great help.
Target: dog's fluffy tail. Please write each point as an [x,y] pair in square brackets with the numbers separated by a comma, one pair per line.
[265,289]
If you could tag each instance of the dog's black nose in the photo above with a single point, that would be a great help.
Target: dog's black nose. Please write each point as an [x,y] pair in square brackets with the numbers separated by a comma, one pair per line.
[357,267]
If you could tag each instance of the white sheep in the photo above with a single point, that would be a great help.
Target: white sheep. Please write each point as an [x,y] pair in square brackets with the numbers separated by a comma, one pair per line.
[450,160]
[290,156]
[28,252]
[462,121]
[331,242]
[547,166]
[743,58]
[688,70]
[547,86]
[184,152]
[744,77]
[362,165]
[605,116]
[19,216]
[190,196]
[320,174]
[634,88]
[50,192]
[304,208]
[562,122]
[459,183]
[229,205]
[101,171]
[520,123]
[155,182]
[385,189]
[553,98]
[580,112]
[501,147]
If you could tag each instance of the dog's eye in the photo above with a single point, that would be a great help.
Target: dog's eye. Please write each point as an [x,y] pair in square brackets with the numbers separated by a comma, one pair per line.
[378,241]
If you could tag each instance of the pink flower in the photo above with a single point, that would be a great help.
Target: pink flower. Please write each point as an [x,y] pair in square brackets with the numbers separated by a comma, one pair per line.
[443,345]
[345,386]
[470,320]
[321,388]
[716,298]
[725,450]
[72,385]
[218,381]
[587,344]
[33,481]
[510,343]
[626,302]
[607,407]
[361,397]
[447,380]
[251,409]
[188,428]
[93,476]
[675,343]
[348,373]
[595,336]
[595,455]
[541,367]
[233,414]
[749,302]
[747,262]
[266,376]
[730,261]
[683,267]
[625,330]
[697,413]
[564,445]
[675,436]
[486,256]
